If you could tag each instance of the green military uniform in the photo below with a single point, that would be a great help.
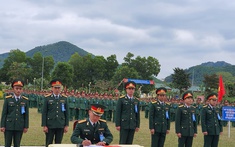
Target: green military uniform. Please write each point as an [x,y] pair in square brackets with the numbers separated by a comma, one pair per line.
[146,111]
[84,104]
[55,116]
[77,108]
[198,112]
[40,102]
[159,120]
[173,109]
[186,124]
[128,118]
[114,109]
[85,130]
[211,123]
[71,101]
[15,118]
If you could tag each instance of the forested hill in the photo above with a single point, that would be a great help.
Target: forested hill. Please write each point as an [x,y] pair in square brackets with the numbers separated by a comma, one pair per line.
[61,51]
[206,68]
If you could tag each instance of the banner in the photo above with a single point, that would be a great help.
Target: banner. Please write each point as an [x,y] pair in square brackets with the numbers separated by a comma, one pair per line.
[137,81]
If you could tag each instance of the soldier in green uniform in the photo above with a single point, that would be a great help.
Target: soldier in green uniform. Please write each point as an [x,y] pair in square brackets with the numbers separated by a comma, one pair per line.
[173,109]
[83,105]
[211,122]
[128,114]
[92,130]
[77,106]
[198,106]
[185,121]
[114,106]
[55,114]
[71,101]
[147,104]
[159,119]
[15,115]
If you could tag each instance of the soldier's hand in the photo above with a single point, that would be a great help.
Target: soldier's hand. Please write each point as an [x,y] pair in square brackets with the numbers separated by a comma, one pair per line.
[3,129]
[101,143]
[221,133]
[205,133]
[179,135]
[167,131]
[118,128]
[25,130]
[45,129]
[152,131]
[86,142]
[66,128]
[137,129]
[195,135]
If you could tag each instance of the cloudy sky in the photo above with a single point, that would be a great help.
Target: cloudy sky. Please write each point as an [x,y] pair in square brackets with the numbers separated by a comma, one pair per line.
[179,33]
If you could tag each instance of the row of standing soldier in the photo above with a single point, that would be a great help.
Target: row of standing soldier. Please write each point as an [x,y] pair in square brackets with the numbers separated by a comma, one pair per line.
[103,101]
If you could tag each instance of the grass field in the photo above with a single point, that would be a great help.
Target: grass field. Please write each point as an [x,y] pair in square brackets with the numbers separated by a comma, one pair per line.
[36,137]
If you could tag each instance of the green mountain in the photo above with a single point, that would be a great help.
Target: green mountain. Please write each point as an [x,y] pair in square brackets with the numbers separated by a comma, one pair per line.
[61,51]
[197,72]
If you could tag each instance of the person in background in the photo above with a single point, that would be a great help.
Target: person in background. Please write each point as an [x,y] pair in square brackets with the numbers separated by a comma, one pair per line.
[55,114]
[15,115]
[185,121]
[128,114]
[159,118]
[211,122]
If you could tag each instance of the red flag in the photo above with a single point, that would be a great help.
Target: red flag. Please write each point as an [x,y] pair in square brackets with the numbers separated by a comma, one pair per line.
[221,90]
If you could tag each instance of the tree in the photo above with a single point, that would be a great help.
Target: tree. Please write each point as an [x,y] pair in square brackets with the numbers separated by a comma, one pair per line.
[14,56]
[35,63]
[19,71]
[146,67]
[64,72]
[98,66]
[124,72]
[180,79]
[211,83]
[111,65]
[76,61]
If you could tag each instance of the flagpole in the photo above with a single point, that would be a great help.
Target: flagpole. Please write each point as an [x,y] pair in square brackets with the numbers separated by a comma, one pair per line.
[228,129]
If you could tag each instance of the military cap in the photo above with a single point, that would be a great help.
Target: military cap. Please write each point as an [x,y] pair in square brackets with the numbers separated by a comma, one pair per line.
[130,84]
[161,90]
[17,82]
[212,95]
[55,83]
[97,109]
[187,94]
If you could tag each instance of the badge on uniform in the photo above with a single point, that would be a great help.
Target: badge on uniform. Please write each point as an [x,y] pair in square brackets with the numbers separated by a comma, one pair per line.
[193,116]
[101,137]
[136,108]
[22,109]
[62,107]
[218,116]
[167,114]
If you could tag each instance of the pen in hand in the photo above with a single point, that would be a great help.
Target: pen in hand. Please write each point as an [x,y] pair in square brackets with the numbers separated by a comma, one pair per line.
[86,142]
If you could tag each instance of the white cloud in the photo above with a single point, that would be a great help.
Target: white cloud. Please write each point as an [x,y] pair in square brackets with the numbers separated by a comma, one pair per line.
[179,33]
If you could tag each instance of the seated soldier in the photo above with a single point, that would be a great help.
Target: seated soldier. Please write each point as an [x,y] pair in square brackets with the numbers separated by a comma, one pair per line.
[92,130]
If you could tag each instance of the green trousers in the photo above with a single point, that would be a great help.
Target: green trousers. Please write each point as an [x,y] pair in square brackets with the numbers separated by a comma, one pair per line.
[56,133]
[158,139]
[12,134]
[126,136]
[211,140]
